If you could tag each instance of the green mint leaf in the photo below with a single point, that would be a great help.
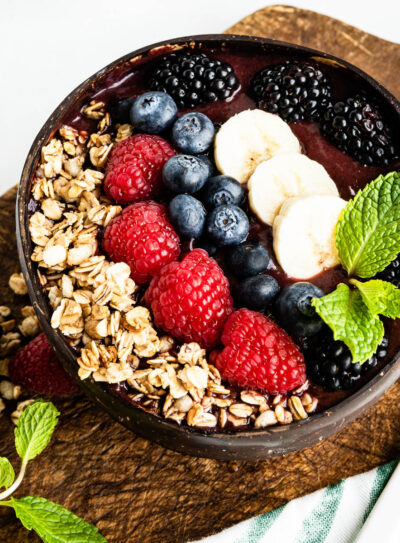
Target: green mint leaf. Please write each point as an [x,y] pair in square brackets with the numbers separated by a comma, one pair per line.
[345,312]
[368,230]
[34,429]
[53,523]
[7,474]
[381,297]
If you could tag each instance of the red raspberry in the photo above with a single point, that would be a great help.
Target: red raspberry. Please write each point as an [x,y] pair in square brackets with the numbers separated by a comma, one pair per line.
[135,166]
[190,299]
[143,237]
[36,368]
[259,354]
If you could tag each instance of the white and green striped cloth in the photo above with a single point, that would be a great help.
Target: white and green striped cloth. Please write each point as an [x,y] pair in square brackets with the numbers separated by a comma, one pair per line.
[360,509]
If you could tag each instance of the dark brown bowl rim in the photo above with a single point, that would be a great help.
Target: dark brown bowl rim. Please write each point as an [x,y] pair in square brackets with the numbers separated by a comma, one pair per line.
[243,445]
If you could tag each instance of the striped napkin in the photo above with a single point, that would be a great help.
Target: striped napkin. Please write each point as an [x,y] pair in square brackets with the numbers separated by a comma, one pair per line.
[359,509]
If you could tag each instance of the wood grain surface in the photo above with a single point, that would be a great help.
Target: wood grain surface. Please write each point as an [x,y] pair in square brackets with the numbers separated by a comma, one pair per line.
[136,491]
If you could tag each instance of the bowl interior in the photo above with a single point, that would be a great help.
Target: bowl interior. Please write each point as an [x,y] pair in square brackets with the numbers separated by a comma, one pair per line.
[245,445]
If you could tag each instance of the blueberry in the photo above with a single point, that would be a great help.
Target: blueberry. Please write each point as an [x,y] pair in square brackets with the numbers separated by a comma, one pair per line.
[207,246]
[185,173]
[256,292]
[294,310]
[227,225]
[120,109]
[247,259]
[220,190]
[153,112]
[193,133]
[187,215]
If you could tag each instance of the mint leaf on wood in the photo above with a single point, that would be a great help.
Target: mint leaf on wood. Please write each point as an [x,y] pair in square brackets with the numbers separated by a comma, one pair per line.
[34,429]
[53,523]
[351,321]
[7,474]
[368,230]
[381,297]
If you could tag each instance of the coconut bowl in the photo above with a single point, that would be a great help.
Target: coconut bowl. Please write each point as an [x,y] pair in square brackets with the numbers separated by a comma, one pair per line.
[241,445]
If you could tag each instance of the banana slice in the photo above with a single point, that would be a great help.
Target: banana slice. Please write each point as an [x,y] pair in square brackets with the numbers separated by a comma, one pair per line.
[286,176]
[304,235]
[249,138]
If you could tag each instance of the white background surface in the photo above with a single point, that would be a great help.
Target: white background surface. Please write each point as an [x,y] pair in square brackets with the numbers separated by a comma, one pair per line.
[47,47]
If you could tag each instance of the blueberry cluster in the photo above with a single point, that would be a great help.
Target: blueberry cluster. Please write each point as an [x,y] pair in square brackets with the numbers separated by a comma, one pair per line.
[329,363]
[214,211]
[295,90]
[356,126]
[193,78]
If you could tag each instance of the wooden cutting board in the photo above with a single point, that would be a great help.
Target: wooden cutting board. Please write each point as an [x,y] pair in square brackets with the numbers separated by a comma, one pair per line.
[136,491]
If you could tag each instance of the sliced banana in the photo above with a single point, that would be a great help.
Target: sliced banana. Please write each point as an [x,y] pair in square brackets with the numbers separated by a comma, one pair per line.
[286,176]
[304,235]
[249,138]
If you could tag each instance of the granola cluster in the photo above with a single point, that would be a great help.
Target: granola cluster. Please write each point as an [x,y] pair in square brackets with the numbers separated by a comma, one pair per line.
[94,301]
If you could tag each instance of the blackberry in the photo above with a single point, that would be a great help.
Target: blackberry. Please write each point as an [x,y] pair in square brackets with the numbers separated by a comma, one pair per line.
[295,90]
[357,127]
[193,78]
[391,273]
[329,363]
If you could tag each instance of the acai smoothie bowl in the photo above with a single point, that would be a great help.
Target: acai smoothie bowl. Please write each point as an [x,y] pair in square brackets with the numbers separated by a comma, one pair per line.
[209,229]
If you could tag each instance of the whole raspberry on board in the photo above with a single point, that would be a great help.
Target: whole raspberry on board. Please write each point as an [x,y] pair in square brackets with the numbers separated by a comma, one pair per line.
[259,354]
[143,237]
[190,299]
[36,368]
[135,166]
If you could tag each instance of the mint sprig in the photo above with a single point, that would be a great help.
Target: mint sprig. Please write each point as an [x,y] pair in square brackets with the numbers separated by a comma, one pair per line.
[368,230]
[7,474]
[53,523]
[345,312]
[381,297]
[367,240]
[34,429]
[50,521]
